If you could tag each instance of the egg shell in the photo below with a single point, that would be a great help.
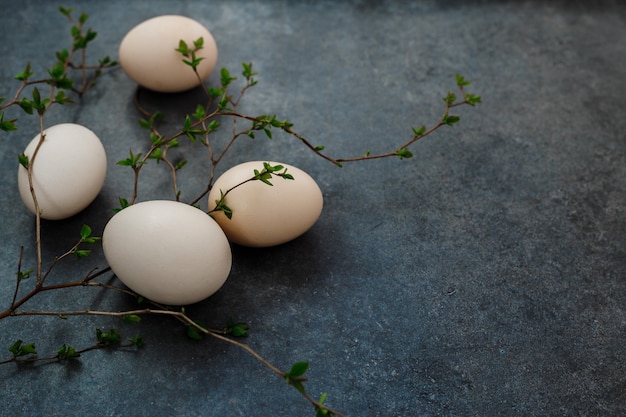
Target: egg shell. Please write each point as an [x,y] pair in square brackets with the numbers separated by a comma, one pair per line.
[264,215]
[169,252]
[68,171]
[148,55]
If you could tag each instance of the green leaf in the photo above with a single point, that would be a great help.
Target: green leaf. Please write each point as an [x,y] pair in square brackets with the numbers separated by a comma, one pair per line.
[107,62]
[15,347]
[80,42]
[57,71]
[221,206]
[187,124]
[199,113]
[63,55]
[237,329]
[213,125]
[450,119]
[28,349]
[18,348]
[271,168]
[294,376]
[298,369]
[247,72]
[183,48]
[38,103]
[36,96]
[108,338]
[85,232]
[61,98]
[180,164]
[145,124]
[223,104]
[26,105]
[225,77]
[22,275]
[91,240]
[194,62]
[24,75]
[194,333]
[216,92]
[460,81]
[319,148]
[198,43]
[450,98]
[419,131]
[137,341]
[156,140]
[131,319]
[64,83]
[157,154]
[82,253]
[65,11]
[91,35]
[83,18]
[472,99]
[132,161]
[7,125]
[404,153]
[263,176]
[319,411]
[67,352]
[123,204]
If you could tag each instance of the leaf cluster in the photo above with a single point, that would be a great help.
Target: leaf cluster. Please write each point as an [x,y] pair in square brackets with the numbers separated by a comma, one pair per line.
[57,76]
[19,349]
[266,123]
[190,53]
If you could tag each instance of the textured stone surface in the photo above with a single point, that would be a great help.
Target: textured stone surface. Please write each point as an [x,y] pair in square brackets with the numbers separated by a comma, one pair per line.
[484,276]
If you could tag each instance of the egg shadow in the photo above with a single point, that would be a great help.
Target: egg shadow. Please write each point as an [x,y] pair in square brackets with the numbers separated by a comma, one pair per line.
[259,276]
[175,106]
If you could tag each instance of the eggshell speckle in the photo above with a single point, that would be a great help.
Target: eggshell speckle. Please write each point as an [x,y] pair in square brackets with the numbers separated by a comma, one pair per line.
[264,215]
[68,171]
[148,55]
[168,252]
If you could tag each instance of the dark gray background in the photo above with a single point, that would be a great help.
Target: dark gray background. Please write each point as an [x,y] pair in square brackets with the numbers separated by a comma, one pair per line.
[485,276]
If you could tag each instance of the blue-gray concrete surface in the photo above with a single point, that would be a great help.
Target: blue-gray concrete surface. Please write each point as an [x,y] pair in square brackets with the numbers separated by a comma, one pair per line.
[485,276]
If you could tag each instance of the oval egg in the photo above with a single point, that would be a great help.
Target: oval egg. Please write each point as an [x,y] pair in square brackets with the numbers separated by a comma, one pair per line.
[148,55]
[169,252]
[68,171]
[264,215]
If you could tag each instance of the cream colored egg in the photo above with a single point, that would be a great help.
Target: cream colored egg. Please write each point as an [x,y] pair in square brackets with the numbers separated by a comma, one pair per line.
[264,215]
[68,171]
[169,252]
[148,55]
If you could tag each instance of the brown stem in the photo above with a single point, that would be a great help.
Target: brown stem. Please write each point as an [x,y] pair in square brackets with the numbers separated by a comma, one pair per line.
[19,278]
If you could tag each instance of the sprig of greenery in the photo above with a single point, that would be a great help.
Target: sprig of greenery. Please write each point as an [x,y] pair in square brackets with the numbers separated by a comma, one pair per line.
[264,175]
[27,353]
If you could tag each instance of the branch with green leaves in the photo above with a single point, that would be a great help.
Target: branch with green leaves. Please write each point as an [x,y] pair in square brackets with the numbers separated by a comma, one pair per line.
[204,127]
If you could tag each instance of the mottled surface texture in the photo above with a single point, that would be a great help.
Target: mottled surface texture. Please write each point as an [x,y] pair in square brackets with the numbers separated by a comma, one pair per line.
[485,276]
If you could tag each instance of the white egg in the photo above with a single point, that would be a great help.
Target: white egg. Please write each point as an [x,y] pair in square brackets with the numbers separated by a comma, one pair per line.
[68,171]
[148,55]
[264,215]
[169,252]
